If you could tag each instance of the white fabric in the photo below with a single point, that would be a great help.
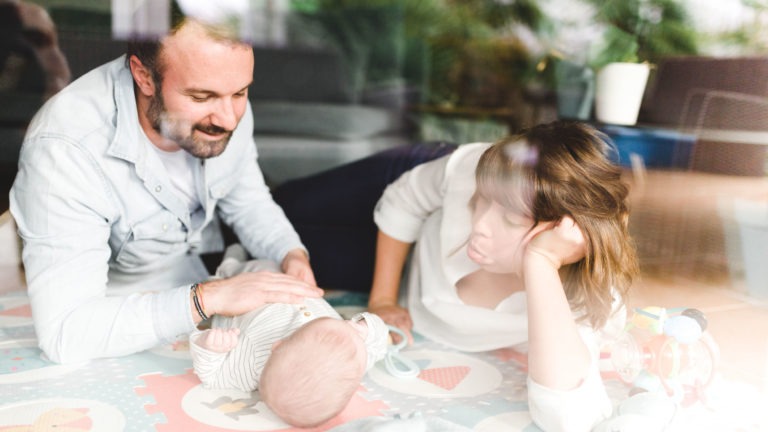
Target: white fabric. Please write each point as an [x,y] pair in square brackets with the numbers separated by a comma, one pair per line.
[241,367]
[577,410]
[181,171]
[259,329]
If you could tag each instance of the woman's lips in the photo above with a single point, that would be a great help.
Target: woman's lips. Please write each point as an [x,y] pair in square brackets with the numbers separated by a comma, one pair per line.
[474,254]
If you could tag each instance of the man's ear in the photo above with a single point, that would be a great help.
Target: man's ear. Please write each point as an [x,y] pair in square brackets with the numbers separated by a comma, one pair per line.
[142,76]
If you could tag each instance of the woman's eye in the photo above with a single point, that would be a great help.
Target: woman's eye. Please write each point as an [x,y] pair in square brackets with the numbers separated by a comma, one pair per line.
[515,220]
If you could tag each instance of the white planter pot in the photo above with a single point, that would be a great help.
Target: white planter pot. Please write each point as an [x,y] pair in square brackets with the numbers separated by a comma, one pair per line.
[619,92]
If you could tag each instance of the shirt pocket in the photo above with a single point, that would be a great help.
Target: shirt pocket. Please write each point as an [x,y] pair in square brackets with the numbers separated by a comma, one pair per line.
[221,187]
[151,242]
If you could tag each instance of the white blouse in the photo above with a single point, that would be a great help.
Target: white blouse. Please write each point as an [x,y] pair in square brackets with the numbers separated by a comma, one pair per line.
[429,205]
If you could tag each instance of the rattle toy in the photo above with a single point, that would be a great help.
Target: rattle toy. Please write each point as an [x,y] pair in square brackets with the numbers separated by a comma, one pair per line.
[666,350]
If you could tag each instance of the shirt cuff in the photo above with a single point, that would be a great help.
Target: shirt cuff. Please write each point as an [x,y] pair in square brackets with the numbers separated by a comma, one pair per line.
[397,224]
[171,314]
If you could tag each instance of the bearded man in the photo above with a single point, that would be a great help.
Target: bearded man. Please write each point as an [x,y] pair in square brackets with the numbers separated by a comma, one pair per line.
[121,177]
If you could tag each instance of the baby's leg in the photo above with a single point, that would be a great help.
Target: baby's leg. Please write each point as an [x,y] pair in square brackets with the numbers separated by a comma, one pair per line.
[235,262]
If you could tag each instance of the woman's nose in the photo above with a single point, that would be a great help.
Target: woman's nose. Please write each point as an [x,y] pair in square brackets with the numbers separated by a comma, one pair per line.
[481,222]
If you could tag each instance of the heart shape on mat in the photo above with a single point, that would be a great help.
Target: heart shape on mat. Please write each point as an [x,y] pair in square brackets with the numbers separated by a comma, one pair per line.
[445,377]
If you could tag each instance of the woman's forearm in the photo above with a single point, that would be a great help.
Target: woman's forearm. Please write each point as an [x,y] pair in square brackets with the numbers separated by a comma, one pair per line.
[558,358]
[390,260]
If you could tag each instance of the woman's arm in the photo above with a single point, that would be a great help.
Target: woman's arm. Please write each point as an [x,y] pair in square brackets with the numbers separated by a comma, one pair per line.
[400,215]
[390,260]
[558,357]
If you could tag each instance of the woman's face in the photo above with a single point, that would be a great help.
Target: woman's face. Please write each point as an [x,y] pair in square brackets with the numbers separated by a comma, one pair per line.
[499,236]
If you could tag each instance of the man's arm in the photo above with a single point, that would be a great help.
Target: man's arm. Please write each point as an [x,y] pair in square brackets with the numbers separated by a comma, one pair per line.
[260,224]
[64,210]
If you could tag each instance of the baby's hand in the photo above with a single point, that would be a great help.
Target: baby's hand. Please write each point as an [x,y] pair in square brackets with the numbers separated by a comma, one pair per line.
[397,316]
[562,243]
[219,340]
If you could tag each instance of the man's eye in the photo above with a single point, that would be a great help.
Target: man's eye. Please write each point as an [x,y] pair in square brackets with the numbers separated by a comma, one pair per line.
[199,98]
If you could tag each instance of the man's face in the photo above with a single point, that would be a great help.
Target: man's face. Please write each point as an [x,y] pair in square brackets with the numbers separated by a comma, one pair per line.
[203,92]
[192,137]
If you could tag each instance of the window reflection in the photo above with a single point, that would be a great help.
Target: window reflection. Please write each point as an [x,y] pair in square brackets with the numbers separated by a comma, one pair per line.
[390,73]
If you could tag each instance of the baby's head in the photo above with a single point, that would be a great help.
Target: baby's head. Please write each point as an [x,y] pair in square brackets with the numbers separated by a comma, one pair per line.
[312,374]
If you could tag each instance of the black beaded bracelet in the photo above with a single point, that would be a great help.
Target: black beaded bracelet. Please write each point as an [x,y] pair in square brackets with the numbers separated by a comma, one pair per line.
[196,301]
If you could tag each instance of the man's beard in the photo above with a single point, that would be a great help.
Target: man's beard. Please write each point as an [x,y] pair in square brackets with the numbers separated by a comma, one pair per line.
[182,133]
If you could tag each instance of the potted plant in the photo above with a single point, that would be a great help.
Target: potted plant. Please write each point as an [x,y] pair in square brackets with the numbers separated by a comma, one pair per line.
[636,34]
[458,58]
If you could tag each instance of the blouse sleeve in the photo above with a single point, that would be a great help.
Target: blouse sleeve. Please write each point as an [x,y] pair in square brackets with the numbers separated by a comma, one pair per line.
[408,201]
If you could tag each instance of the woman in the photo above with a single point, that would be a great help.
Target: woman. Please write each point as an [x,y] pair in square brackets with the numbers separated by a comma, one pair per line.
[524,240]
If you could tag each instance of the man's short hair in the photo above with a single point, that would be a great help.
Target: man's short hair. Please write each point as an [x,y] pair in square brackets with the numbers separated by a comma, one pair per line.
[147,47]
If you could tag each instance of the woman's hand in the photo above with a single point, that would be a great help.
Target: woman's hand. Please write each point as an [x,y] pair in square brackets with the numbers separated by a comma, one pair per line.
[561,243]
[396,316]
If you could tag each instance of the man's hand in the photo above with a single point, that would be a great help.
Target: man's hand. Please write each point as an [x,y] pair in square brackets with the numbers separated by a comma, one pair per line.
[219,340]
[245,292]
[296,263]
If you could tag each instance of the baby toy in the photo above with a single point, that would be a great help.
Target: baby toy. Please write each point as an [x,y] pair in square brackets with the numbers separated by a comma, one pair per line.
[397,365]
[666,350]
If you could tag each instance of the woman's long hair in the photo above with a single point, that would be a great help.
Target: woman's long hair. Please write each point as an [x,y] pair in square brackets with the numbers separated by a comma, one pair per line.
[561,169]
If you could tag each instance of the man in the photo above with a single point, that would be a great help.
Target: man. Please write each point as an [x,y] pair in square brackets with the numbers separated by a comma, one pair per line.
[120,178]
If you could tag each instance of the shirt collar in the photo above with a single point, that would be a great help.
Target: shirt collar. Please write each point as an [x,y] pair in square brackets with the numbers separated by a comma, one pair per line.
[128,132]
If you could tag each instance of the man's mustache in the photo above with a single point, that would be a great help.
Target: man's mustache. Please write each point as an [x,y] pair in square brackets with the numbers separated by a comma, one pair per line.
[212,129]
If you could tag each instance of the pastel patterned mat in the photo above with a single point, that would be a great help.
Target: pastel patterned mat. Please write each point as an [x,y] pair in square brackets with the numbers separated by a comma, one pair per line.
[157,390]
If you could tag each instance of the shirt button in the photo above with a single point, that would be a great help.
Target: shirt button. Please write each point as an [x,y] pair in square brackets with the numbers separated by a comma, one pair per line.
[165,227]
[307,313]
[158,188]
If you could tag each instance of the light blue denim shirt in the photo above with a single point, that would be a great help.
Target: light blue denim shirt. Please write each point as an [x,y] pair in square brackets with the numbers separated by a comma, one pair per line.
[109,248]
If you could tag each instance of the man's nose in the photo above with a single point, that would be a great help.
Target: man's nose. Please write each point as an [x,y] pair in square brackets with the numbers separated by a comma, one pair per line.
[225,114]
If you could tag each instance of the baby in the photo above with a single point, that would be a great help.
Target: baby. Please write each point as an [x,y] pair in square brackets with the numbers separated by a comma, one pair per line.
[305,360]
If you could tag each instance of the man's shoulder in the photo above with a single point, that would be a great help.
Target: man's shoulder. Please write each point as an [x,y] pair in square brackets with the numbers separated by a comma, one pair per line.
[84,107]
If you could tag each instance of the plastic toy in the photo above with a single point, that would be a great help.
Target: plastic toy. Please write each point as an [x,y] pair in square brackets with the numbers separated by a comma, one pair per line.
[666,350]
[397,365]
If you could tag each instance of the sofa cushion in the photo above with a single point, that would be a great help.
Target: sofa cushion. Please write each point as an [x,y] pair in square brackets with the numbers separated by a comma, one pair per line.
[336,121]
